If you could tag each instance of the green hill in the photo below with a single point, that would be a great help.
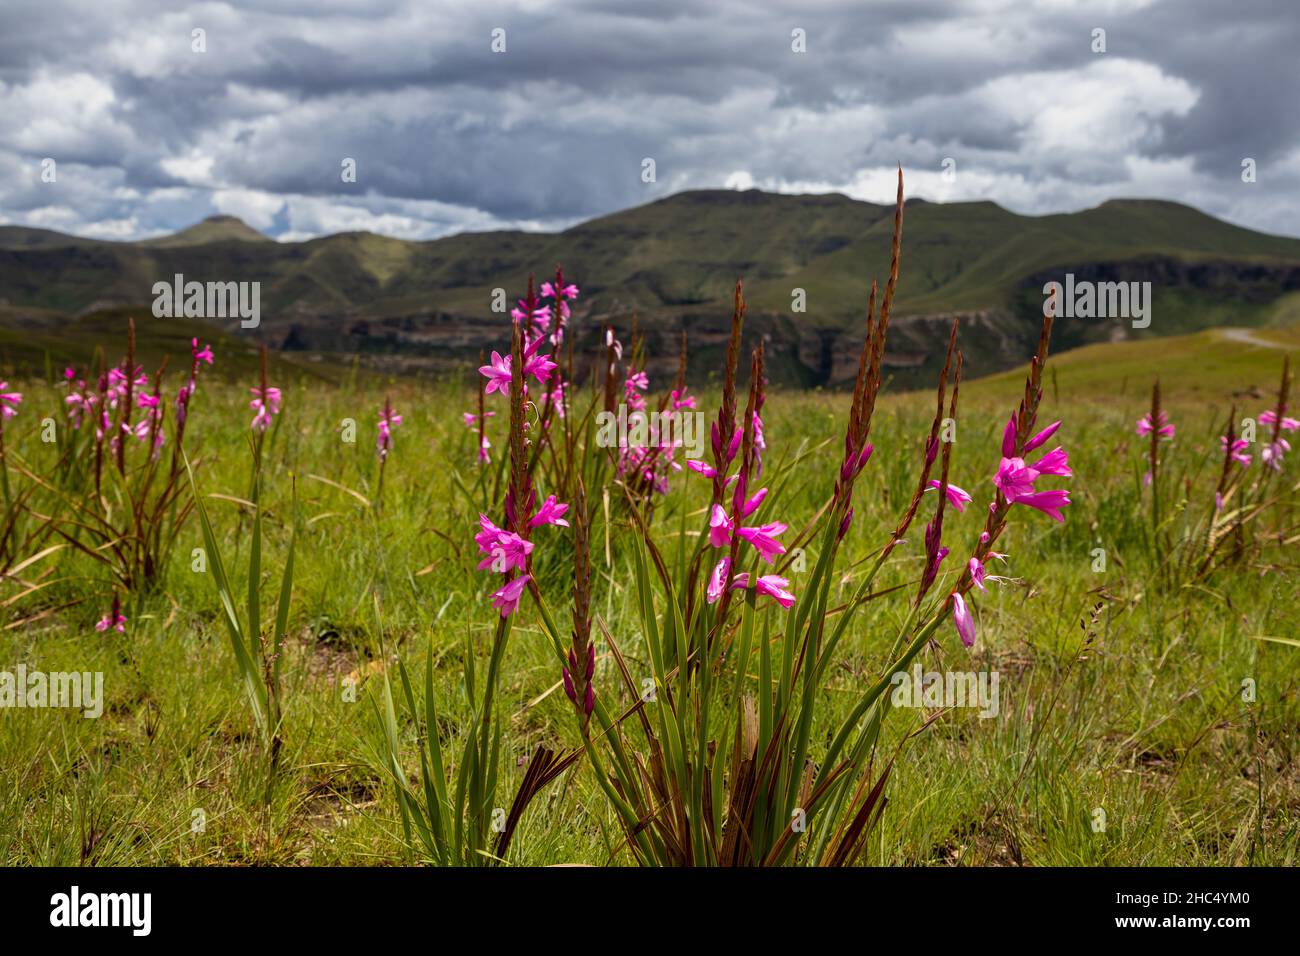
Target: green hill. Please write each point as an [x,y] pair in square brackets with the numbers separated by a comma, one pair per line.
[212,229]
[425,306]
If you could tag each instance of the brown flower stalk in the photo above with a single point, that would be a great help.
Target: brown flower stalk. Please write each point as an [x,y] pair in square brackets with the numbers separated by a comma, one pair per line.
[931,449]
[724,430]
[866,386]
[934,550]
[1283,392]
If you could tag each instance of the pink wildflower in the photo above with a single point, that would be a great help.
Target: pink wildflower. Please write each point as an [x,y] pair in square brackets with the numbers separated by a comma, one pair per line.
[551,512]
[114,619]
[1160,424]
[720,527]
[506,598]
[964,621]
[388,420]
[718,580]
[9,401]
[265,406]
[957,497]
[1236,451]
[772,585]
[1272,453]
[1270,418]
[763,538]
[497,374]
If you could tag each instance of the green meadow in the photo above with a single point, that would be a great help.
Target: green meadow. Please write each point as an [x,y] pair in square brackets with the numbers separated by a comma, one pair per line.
[1147,707]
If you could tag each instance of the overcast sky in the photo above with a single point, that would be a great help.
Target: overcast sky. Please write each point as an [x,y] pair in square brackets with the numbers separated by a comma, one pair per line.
[149,136]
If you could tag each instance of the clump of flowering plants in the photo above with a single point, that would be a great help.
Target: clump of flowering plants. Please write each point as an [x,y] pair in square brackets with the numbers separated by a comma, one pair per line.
[1248,506]
[119,481]
[720,756]
[452,814]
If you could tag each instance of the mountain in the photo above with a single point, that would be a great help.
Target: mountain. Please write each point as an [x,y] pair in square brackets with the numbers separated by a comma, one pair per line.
[671,264]
[212,229]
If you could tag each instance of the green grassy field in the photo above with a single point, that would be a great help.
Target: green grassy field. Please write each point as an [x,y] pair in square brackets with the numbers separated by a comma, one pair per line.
[1121,696]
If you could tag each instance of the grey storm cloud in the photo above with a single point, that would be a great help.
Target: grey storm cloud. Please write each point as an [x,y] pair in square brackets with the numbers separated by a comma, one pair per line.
[448,135]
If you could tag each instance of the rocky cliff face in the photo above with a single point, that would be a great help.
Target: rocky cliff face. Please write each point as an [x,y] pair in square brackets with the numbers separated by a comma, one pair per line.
[1186,297]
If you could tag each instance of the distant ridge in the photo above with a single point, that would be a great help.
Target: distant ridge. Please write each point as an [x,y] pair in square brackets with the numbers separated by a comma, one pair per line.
[673,263]
[212,229]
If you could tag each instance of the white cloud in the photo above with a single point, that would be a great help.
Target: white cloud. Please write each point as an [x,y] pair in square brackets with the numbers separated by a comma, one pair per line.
[151,135]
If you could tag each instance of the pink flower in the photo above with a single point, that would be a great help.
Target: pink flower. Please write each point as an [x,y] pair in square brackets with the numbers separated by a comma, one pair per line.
[763,538]
[497,374]
[1160,425]
[956,496]
[681,400]
[976,572]
[1272,453]
[114,619]
[772,585]
[1236,451]
[506,552]
[569,291]
[1270,418]
[717,580]
[507,597]
[265,406]
[116,389]
[539,367]
[734,447]
[541,315]
[201,354]
[720,528]
[483,447]
[80,404]
[1049,503]
[964,621]
[637,382]
[388,420]
[551,512]
[562,294]
[1055,462]
[471,419]
[556,397]
[1015,479]
[9,402]
[485,538]
[752,504]
[1042,436]
[1009,438]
